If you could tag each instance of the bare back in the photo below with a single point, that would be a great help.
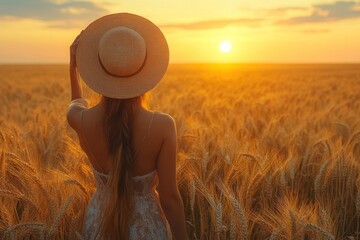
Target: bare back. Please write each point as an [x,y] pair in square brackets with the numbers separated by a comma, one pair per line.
[147,139]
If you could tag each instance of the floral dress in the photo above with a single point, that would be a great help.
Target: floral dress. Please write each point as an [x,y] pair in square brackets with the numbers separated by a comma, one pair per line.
[148,220]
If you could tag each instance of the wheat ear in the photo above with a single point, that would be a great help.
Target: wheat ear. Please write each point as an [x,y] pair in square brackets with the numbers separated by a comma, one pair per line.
[239,210]
[315,228]
[76,183]
[293,223]
[192,194]
[317,181]
[59,217]
[218,218]
[33,226]
[233,227]
[283,182]
[358,203]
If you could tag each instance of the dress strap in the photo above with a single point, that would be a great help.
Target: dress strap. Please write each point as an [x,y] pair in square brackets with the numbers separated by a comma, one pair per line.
[145,135]
[87,144]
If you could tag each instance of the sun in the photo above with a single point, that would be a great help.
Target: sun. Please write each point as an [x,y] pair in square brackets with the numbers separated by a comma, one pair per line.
[225,46]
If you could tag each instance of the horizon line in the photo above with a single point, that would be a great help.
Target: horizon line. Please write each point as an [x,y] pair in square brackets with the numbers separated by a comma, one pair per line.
[200,63]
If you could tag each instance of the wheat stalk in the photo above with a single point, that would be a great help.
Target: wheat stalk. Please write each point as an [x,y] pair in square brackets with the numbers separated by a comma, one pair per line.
[292,169]
[358,203]
[12,155]
[192,194]
[252,157]
[32,226]
[293,223]
[350,180]
[76,183]
[275,234]
[205,161]
[211,200]
[315,228]
[239,210]
[218,218]
[344,125]
[19,197]
[328,148]
[227,159]
[283,182]
[2,136]
[353,137]
[59,217]
[254,181]
[233,227]
[19,161]
[325,144]
[318,143]
[268,187]
[307,155]
[2,164]
[317,181]
[6,217]
[325,218]
[47,196]
[75,222]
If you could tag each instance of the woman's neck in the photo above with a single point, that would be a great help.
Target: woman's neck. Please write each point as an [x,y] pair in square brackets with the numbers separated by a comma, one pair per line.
[137,109]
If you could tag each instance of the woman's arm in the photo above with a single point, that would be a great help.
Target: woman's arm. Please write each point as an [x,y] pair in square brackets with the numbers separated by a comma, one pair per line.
[77,104]
[76,89]
[170,197]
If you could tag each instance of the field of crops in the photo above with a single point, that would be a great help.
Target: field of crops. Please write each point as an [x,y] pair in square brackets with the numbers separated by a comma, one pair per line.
[265,151]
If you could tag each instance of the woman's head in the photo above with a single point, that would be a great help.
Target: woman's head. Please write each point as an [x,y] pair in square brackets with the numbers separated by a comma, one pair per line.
[122,55]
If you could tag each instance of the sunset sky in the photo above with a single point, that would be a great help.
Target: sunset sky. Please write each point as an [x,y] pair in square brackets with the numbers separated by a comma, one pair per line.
[260,31]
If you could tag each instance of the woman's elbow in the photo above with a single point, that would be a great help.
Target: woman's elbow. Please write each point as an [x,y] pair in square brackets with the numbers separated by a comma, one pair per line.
[170,201]
[70,119]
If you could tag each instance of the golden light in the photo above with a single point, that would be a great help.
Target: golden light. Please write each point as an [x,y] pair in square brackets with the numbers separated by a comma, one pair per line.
[225,46]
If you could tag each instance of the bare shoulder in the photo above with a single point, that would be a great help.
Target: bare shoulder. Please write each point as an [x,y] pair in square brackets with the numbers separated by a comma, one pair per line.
[164,117]
[165,122]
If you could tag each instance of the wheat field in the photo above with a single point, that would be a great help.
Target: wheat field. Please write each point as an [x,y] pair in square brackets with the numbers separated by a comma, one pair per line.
[265,151]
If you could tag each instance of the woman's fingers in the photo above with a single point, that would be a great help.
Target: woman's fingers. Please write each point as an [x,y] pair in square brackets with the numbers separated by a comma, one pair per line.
[77,39]
[73,48]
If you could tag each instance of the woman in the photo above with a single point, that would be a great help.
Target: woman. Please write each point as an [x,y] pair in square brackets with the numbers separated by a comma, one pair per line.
[132,150]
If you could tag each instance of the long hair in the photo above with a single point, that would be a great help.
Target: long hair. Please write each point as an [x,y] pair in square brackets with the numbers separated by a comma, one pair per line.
[118,121]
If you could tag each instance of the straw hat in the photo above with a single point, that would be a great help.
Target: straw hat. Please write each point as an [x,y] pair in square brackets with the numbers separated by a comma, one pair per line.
[122,55]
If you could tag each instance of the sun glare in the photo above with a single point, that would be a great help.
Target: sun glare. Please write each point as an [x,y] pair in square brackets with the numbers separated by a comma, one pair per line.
[225,46]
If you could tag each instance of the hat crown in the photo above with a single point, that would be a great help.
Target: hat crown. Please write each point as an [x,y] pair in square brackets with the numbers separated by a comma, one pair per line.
[122,55]
[122,51]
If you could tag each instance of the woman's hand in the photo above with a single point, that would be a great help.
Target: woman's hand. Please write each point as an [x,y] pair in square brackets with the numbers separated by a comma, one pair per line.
[76,89]
[73,48]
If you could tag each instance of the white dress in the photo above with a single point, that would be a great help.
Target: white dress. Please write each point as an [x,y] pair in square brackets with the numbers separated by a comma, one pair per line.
[148,220]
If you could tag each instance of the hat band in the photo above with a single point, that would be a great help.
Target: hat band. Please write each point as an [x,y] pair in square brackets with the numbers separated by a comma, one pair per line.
[128,75]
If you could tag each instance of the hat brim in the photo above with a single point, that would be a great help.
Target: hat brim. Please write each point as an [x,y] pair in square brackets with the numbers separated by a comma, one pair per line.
[153,69]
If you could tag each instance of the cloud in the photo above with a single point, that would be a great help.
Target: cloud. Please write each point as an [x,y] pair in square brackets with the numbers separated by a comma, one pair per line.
[287,9]
[314,31]
[210,24]
[51,11]
[327,12]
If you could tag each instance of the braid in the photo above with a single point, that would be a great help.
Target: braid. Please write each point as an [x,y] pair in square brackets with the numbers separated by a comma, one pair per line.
[118,129]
